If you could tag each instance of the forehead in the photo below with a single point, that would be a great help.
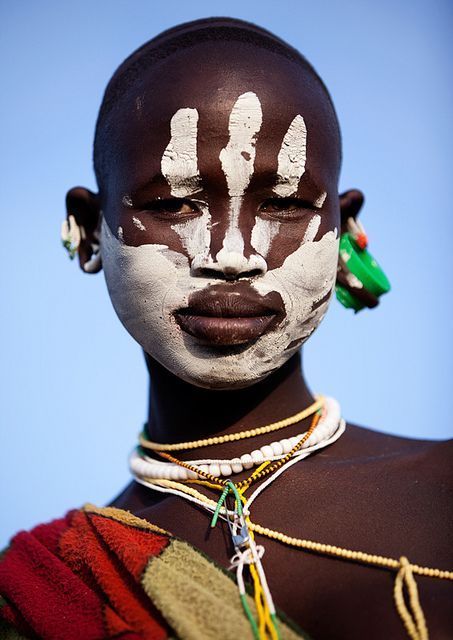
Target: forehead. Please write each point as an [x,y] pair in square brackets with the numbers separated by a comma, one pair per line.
[209,78]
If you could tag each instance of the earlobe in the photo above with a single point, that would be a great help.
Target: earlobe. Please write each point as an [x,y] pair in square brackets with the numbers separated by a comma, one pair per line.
[80,231]
[360,280]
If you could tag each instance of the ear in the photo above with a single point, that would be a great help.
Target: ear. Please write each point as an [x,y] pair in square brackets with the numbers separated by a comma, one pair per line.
[81,229]
[350,204]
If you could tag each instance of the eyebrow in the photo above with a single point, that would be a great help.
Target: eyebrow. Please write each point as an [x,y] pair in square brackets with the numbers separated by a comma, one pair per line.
[266,178]
[307,181]
[157,180]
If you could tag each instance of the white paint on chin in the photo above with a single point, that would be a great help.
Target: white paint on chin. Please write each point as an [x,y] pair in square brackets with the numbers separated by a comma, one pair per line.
[179,162]
[292,158]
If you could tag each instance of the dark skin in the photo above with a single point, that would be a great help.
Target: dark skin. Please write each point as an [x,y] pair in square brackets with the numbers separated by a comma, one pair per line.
[369,491]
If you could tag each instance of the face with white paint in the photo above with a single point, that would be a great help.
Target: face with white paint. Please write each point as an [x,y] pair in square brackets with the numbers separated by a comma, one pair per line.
[220,232]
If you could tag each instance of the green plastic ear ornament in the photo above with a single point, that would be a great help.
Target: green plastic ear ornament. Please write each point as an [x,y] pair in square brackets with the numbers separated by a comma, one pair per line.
[360,280]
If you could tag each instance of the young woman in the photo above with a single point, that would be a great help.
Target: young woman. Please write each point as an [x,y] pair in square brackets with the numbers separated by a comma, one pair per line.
[222,236]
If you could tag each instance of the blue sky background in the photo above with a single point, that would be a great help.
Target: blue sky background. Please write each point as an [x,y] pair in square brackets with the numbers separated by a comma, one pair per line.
[72,382]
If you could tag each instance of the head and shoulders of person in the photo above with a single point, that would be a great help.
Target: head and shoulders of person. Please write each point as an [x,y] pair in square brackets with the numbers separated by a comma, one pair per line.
[217,156]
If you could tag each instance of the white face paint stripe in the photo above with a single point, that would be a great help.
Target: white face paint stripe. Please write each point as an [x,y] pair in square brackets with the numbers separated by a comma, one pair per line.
[263,232]
[179,162]
[238,159]
[292,158]
[320,201]
[312,229]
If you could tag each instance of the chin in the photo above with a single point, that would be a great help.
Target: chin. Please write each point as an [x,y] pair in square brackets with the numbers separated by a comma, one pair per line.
[227,368]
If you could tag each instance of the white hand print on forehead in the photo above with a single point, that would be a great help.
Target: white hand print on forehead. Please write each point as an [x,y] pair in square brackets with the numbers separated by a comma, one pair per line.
[179,163]
[292,158]
[180,167]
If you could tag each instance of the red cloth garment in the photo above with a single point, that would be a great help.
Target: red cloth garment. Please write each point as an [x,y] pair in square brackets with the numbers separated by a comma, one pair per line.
[98,574]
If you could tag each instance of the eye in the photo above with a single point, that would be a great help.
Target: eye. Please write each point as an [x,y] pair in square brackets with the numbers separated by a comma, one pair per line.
[285,208]
[172,208]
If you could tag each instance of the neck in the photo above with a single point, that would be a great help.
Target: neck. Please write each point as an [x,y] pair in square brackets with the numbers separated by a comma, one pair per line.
[179,411]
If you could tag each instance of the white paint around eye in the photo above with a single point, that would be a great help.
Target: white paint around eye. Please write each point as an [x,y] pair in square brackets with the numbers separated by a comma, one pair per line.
[138,223]
[195,234]
[263,232]
[127,201]
[238,161]
[179,162]
[320,201]
[292,158]
[312,229]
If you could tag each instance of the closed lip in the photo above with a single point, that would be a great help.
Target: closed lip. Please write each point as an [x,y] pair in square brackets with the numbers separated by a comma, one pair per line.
[230,317]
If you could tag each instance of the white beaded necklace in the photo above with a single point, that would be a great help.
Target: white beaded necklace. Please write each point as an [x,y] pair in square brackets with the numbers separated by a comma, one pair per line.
[143,466]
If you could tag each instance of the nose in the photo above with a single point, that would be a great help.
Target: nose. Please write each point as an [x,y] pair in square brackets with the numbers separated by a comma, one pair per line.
[228,264]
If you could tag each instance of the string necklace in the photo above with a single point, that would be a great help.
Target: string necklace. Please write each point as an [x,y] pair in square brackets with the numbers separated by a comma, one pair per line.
[242,529]
[247,553]
[231,437]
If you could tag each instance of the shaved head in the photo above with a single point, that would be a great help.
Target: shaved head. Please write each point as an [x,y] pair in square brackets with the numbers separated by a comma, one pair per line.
[212,37]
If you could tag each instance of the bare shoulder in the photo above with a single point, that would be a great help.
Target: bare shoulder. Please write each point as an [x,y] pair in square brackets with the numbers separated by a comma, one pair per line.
[381,492]
[403,455]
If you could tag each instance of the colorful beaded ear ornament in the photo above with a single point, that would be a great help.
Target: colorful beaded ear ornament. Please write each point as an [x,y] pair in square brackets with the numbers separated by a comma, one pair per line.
[70,236]
[360,280]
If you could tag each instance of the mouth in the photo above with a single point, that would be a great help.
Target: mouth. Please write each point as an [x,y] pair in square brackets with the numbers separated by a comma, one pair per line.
[233,316]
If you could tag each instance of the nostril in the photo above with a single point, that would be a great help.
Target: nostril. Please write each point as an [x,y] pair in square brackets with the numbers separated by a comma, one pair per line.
[228,265]
[212,274]
[253,273]
[215,274]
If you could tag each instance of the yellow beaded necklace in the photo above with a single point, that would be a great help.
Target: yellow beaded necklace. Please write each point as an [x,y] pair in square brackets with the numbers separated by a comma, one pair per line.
[231,437]
[412,616]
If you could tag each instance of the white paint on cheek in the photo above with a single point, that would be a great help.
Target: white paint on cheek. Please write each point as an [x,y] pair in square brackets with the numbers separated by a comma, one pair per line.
[195,234]
[238,159]
[120,234]
[138,223]
[306,278]
[292,158]
[320,201]
[263,232]
[148,283]
[179,162]
[312,229]
[127,201]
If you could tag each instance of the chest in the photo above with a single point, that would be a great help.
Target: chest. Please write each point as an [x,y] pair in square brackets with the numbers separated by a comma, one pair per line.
[328,596]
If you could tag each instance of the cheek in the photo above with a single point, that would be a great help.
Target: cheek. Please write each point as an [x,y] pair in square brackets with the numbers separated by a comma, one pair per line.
[305,279]
[286,238]
[145,284]
[135,229]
